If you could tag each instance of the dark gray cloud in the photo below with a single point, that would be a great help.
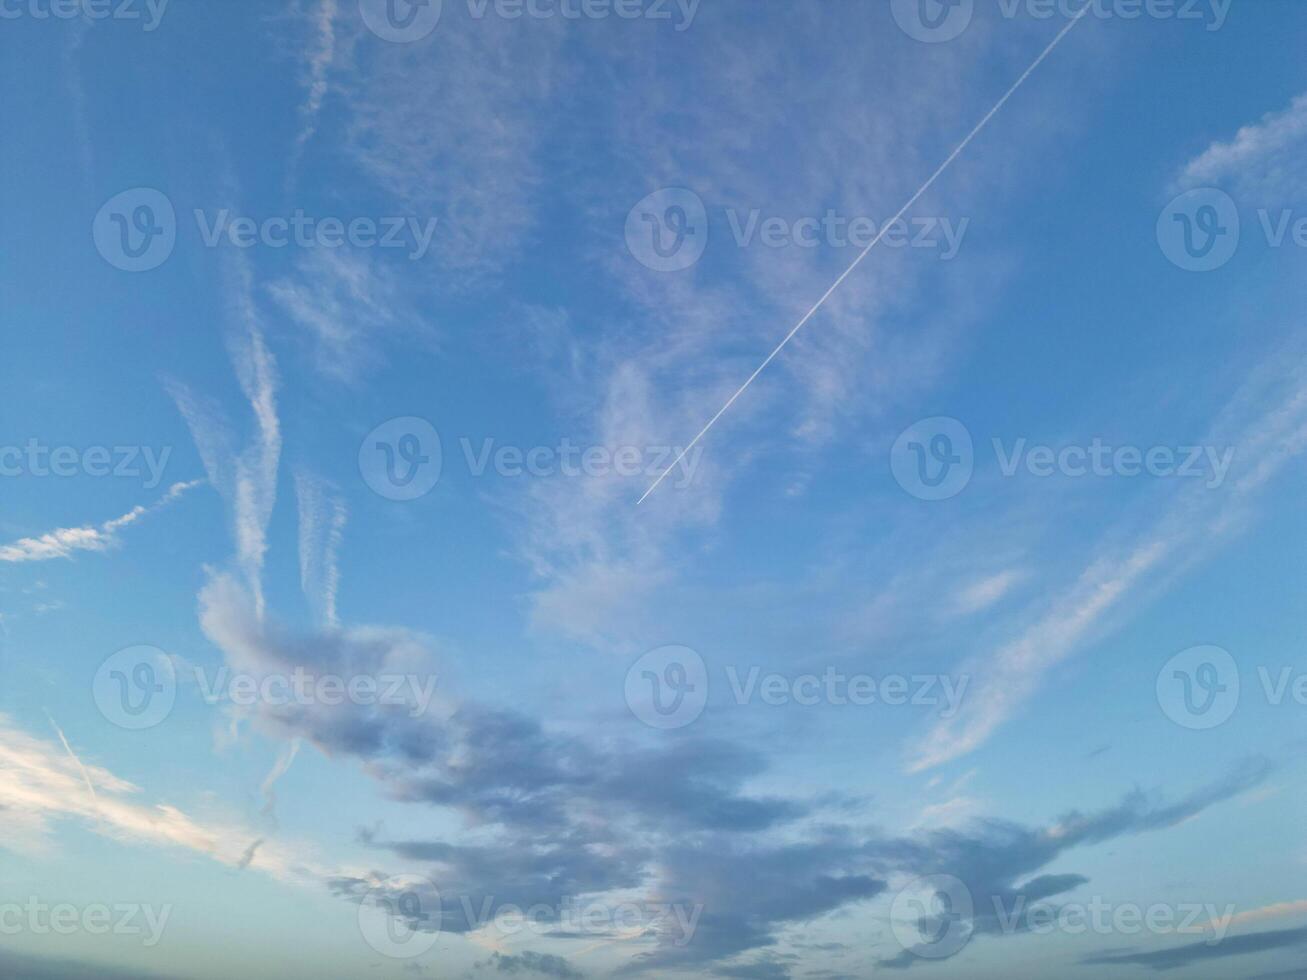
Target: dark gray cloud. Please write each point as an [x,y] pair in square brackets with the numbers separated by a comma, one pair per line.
[1171,959]
[23,966]
[761,969]
[563,818]
[540,964]
[997,861]
[749,889]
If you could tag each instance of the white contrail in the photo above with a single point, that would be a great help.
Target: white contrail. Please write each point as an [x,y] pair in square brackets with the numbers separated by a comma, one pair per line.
[90,787]
[863,254]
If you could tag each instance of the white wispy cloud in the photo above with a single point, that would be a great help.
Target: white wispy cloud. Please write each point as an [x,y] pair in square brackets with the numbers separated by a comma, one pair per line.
[64,542]
[247,479]
[42,783]
[1263,158]
[687,340]
[1267,423]
[985,592]
[344,301]
[473,157]
[322,525]
[318,63]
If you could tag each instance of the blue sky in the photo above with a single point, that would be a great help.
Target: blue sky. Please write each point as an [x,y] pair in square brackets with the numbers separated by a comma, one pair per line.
[338,618]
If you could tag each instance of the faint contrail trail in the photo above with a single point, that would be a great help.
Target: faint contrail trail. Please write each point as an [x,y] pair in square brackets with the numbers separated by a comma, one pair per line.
[863,254]
[78,762]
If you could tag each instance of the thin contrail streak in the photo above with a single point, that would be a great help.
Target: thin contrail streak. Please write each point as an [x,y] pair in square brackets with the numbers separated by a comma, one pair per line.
[863,254]
[90,787]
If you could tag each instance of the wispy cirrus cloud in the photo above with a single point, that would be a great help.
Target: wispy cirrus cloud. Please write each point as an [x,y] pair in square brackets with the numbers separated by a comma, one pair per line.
[321,530]
[1203,952]
[1263,158]
[346,303]
[44,782]
[246,478]
[65,542]
[1267,422]
[321,54]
